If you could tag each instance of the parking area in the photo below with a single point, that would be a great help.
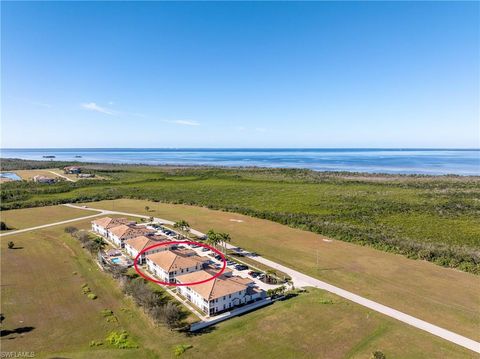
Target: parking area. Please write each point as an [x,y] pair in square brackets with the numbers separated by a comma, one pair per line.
[237,269]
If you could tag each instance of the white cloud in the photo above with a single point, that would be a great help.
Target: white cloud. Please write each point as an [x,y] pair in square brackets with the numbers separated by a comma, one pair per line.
[92,106]
[261,129]
[183,122]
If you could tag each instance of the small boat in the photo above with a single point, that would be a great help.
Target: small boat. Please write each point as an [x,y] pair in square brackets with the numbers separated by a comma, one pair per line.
[48,156]
[78,156]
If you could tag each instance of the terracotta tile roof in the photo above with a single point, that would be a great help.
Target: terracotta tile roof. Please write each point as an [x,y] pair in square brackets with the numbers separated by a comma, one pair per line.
[141,242]
[123,231]
[215,288]
[241,280]
[174,260]
[108,222]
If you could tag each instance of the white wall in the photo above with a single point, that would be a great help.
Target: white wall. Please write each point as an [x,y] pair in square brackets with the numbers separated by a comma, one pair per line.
[220,304]
[169,277]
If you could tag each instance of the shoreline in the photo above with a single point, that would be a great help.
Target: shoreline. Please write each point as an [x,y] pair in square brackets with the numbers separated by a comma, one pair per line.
[59,163]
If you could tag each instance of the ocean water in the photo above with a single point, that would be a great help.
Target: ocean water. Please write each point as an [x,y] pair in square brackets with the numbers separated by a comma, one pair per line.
[394,161]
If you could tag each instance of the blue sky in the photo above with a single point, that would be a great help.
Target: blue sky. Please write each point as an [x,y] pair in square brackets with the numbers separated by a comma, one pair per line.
[103,74]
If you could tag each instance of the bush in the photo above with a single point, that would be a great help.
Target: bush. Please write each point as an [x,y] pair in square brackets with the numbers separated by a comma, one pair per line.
[82,236]
[3,226]
[121,340]
[91,296]
[378,355]
[180,349]
[70,229]
[94,343]
[106,312]
[172,315]
[11,245]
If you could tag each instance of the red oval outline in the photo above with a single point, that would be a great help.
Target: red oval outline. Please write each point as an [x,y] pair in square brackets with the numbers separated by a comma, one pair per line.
[135,264]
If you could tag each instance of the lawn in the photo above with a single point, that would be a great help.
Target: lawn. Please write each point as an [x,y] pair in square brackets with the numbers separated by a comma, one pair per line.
[31,217]
[432,218]
[445,297]
[49,172]
[41,289]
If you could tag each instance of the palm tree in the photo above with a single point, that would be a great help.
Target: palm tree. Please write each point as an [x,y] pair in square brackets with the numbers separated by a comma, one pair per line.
[183,226]
[224,239]
[270,273]
[213,238]
[289,282]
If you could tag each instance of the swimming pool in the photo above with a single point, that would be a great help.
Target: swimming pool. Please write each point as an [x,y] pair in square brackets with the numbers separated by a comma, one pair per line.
[115,260]
[11,176]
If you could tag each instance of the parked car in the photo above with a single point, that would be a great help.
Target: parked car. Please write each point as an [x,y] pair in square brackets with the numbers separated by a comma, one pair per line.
[205,249]
[241,267]
[218,257]
[231,263]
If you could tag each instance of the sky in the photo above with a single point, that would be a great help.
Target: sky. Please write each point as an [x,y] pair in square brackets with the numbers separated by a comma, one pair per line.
[240,74]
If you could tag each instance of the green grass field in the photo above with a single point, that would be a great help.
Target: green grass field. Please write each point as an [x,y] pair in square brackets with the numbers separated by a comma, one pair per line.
[32,217]
[42,289]
[433,218]
[446,297]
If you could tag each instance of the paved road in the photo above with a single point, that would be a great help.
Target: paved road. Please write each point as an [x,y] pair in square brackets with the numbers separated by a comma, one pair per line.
[52,224]
[302,280]
[59,175]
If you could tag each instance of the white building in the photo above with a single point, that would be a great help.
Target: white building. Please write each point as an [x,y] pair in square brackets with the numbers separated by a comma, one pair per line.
[167,265]
[119,234]
[220,294]
[133,246]
[102,225]
[43,179]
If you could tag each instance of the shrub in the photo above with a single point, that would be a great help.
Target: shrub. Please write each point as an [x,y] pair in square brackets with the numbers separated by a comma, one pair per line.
[82,236]
[71,229]
[3,226]
[378,355]
[172,315]
[92,296]
[106,312]
[180,349]
[11,245]
[86,290]
[121,340]
[95,343]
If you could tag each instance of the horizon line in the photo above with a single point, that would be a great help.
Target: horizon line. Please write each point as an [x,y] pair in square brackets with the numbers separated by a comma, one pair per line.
[242,148]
